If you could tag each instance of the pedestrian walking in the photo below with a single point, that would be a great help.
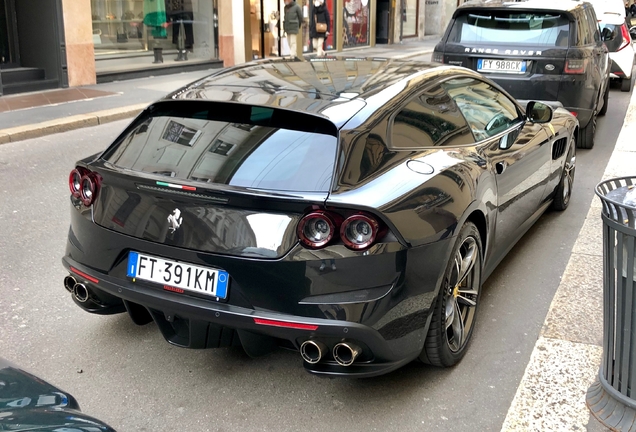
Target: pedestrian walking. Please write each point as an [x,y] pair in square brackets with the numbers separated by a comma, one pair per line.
[632,9]
[292,21]
[319,26]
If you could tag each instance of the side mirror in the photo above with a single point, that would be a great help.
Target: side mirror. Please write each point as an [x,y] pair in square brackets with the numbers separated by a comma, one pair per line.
[537,112]
[632,32]
[607,35]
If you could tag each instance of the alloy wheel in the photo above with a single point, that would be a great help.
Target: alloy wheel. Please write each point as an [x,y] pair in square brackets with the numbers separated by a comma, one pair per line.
[568,175]
[462,294]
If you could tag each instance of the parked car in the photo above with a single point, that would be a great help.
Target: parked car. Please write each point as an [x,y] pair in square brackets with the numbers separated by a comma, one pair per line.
[615,33]
[551,51]
[346,208]
[28,403]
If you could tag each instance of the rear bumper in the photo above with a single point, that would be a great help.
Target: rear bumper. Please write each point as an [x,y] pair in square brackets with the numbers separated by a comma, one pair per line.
[194,323]
[380,302]
[622,63]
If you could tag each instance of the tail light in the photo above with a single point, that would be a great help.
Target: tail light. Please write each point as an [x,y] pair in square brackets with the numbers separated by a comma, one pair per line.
[575,66]
[358,231]
[74,180]
[627,39]
[84,185]
[316,229]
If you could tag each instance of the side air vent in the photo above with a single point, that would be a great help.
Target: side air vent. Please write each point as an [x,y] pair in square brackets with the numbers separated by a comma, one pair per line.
[558,148]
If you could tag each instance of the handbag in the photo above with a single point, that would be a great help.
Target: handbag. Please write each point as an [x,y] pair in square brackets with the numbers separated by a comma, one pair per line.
[320,27]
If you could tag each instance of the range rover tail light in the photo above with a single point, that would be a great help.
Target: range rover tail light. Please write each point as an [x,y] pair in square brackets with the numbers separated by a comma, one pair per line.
[575,66]
[84,185]
[319,228]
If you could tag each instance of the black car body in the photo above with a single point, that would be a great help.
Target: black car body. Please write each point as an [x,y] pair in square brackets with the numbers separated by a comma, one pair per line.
[28,403]
[554,51]
[250,171]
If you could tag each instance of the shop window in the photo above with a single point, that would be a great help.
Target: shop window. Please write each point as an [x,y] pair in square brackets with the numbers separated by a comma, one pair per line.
[355,19]
[134,27]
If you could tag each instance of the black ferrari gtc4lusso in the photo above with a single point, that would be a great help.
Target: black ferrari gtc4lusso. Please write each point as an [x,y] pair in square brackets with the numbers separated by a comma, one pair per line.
[346,208]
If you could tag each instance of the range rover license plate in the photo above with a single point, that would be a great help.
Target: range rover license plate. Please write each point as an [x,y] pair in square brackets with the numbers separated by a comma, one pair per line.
[501,66]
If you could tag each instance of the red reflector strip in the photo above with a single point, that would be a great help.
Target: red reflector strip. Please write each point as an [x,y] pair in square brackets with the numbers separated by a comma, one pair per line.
[84,275]
[574,113]
[173,289]
[285,324]
[176,186]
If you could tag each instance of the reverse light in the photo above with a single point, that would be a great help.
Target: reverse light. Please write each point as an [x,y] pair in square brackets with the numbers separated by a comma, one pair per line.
[627,39]
[316,229]
[575,66]
[359,231]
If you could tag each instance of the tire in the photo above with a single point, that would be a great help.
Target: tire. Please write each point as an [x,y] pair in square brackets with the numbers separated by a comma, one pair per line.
[586,134]
[605,100]
[563,192]
[445,343]
[626,84]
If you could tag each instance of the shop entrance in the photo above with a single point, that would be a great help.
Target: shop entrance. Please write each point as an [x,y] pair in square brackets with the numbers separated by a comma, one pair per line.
[30,48]
[8,49]
[266,24]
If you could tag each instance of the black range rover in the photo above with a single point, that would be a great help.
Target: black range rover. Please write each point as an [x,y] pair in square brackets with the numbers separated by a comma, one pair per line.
[539,50]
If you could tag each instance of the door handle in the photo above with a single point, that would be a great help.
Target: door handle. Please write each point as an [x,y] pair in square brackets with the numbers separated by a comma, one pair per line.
[500,167]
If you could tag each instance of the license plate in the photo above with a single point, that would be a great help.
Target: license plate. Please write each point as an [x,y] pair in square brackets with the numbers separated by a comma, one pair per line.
[501,66]
[174,274]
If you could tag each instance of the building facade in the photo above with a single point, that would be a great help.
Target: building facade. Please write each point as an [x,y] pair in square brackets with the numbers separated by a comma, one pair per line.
[59,43]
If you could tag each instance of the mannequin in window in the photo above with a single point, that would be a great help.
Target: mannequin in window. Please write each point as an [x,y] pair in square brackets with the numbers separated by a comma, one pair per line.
[177,11]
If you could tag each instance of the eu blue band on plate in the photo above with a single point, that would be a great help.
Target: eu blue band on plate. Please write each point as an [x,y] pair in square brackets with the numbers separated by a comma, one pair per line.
[221,284]
[131,268]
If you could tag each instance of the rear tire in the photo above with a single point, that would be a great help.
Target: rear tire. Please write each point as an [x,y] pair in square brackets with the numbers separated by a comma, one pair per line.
[586,134]
[605,100]
[626,84]
[563,192]
[455,309]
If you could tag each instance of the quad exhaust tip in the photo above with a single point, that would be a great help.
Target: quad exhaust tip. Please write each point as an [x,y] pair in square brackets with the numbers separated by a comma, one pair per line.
[69,283]
[345,353]
[80,292]
[312,351]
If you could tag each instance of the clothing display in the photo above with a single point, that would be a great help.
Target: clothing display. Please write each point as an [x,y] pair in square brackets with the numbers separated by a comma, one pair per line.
[155,17]
[178,11]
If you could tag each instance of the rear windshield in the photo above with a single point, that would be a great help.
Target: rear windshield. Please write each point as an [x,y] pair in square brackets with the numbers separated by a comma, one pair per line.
[510,27]
[230,153]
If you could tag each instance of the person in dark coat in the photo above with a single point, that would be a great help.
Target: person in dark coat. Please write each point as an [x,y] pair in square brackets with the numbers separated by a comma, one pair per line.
[292,22]
[319,15]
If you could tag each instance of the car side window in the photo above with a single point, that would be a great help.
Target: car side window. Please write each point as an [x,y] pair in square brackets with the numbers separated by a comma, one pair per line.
[487,110]
[583,29]
[595,28]
[430,119]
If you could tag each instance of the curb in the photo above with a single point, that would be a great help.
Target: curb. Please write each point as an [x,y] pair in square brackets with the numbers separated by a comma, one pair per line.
[566,357]
[20,133]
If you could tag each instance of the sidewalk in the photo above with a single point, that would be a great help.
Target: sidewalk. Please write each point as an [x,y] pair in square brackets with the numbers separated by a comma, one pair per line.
[567,355]
[108,102]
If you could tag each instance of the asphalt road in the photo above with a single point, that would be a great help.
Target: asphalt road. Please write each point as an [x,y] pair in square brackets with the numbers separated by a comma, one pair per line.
[131,378]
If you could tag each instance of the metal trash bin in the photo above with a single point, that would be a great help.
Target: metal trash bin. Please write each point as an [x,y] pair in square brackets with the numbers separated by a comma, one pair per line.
[612,397]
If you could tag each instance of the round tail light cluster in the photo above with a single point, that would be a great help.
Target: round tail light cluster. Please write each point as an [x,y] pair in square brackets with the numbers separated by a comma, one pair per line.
[319,228]
[83,185]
